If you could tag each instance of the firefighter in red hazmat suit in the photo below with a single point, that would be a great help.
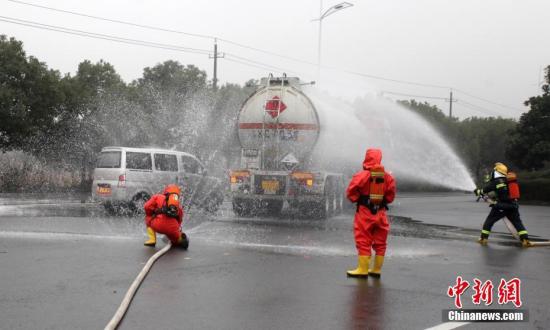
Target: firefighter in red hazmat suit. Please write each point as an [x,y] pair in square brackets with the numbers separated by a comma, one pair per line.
[372,189]
[163,214]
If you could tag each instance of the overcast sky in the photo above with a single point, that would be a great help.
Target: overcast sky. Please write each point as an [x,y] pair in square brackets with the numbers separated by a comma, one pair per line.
[490,49]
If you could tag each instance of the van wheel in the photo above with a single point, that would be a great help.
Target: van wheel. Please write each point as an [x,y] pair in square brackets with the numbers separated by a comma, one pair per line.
[138,202]
[275,207]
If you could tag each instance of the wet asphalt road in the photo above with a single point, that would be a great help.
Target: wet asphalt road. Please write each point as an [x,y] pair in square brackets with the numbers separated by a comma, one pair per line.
[67,265]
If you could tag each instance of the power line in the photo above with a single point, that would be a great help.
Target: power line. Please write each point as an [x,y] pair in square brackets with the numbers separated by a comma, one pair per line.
[266,52]
[249,64]
[412,95]
[241,60]
[465,104]
[259,63]
[114,20]
[204,36]
[156,28]
[477,107]
[488,101]
[102,36]
[405,82]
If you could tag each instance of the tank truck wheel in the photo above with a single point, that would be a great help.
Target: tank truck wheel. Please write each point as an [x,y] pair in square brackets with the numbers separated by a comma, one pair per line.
[110,209]
[275,207]
[323,208]
[242,208]
[339,200]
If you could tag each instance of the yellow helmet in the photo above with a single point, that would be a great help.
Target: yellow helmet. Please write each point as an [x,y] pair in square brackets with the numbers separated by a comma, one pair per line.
[501,168]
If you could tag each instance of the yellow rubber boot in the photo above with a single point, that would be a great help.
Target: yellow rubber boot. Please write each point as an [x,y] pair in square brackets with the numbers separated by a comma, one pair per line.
[152,241]
[526,243]
[183,241]
[376,271]
[362,269]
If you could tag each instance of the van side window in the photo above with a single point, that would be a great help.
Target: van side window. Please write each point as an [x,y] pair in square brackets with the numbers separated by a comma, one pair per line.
[165,162]
[190,165]
[108,159]
[138,161]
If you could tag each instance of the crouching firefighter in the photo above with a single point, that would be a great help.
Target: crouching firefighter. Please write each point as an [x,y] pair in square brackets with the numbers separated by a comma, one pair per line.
[503,186]
[163,214]
[372,189]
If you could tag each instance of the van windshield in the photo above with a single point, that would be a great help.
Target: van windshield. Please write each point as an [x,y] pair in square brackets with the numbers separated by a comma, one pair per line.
[109,159]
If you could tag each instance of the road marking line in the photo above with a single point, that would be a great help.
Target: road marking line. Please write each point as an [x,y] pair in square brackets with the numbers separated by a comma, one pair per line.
[448,326]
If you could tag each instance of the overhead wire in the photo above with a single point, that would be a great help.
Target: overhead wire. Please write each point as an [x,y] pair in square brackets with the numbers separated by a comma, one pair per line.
[102,36]
[113,20]
[486,100]
[238,59]
[461,102]
[476,107]
[259,63]
[211,37]
[413,95]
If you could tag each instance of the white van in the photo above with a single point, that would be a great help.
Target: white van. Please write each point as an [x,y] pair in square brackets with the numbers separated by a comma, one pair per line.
[128,177]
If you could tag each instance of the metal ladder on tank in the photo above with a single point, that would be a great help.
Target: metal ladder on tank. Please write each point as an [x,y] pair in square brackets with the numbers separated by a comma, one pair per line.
[269,97]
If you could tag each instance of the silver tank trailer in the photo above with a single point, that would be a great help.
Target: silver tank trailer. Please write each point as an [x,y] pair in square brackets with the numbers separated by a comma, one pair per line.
[278,128]
[278,121]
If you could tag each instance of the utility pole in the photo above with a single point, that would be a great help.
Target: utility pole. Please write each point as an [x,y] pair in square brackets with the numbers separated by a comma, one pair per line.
[451,105]
[215,57]
[319,42]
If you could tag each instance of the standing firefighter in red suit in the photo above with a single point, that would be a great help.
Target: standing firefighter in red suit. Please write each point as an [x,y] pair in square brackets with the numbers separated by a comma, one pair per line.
[164,214]
[372,189]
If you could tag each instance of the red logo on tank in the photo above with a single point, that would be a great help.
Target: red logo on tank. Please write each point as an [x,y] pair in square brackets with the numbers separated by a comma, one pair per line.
[274,107]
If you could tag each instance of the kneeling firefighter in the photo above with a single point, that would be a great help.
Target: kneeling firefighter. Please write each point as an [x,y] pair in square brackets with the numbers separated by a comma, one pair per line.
[163,214]
[372,189]
[503,186]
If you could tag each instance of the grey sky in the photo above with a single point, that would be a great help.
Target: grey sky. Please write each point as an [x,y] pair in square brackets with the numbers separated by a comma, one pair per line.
[493,49]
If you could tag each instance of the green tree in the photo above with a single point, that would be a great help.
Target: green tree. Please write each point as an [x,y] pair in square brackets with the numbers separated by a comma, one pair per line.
[482,142]
[445,125]
[529,145]
[31,95]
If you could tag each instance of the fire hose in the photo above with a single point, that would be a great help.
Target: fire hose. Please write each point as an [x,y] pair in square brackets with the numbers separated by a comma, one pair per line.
[125,304]
[113,324]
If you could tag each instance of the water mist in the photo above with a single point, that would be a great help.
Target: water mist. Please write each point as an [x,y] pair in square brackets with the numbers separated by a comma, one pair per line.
[412,149]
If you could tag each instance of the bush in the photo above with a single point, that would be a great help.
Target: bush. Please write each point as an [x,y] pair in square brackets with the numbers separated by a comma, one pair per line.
[535,189]
[23,172]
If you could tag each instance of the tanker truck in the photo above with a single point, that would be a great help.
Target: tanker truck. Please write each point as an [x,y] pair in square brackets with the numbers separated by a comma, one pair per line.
[278,128]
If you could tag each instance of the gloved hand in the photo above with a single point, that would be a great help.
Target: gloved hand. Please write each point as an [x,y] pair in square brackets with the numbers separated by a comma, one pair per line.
[160,210]
[172,211]
[478,192]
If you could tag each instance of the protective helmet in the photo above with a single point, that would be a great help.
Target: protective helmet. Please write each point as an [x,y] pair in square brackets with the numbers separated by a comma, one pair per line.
[172,189]
[501,168]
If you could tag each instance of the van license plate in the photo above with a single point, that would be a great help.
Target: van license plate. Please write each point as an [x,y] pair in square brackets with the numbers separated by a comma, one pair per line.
[104,190]
[270,186]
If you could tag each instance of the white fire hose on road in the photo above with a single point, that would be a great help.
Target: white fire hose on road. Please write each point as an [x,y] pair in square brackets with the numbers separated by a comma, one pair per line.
[113,324]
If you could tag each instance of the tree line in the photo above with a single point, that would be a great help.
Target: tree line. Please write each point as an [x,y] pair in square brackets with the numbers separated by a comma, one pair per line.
[66,119]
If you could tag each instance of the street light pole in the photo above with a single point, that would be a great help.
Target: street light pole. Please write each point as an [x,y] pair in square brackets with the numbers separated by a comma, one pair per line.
[319,41]
[322,15]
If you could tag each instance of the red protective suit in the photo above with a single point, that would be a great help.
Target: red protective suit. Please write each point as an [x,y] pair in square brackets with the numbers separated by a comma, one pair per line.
[371,230]
[162,223]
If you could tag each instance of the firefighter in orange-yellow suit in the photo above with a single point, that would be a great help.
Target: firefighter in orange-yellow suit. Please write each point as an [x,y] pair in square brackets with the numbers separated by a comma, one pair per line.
[372,190]
[164,215]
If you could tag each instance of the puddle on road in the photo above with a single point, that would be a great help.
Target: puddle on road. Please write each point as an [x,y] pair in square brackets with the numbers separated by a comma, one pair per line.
[285,234]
